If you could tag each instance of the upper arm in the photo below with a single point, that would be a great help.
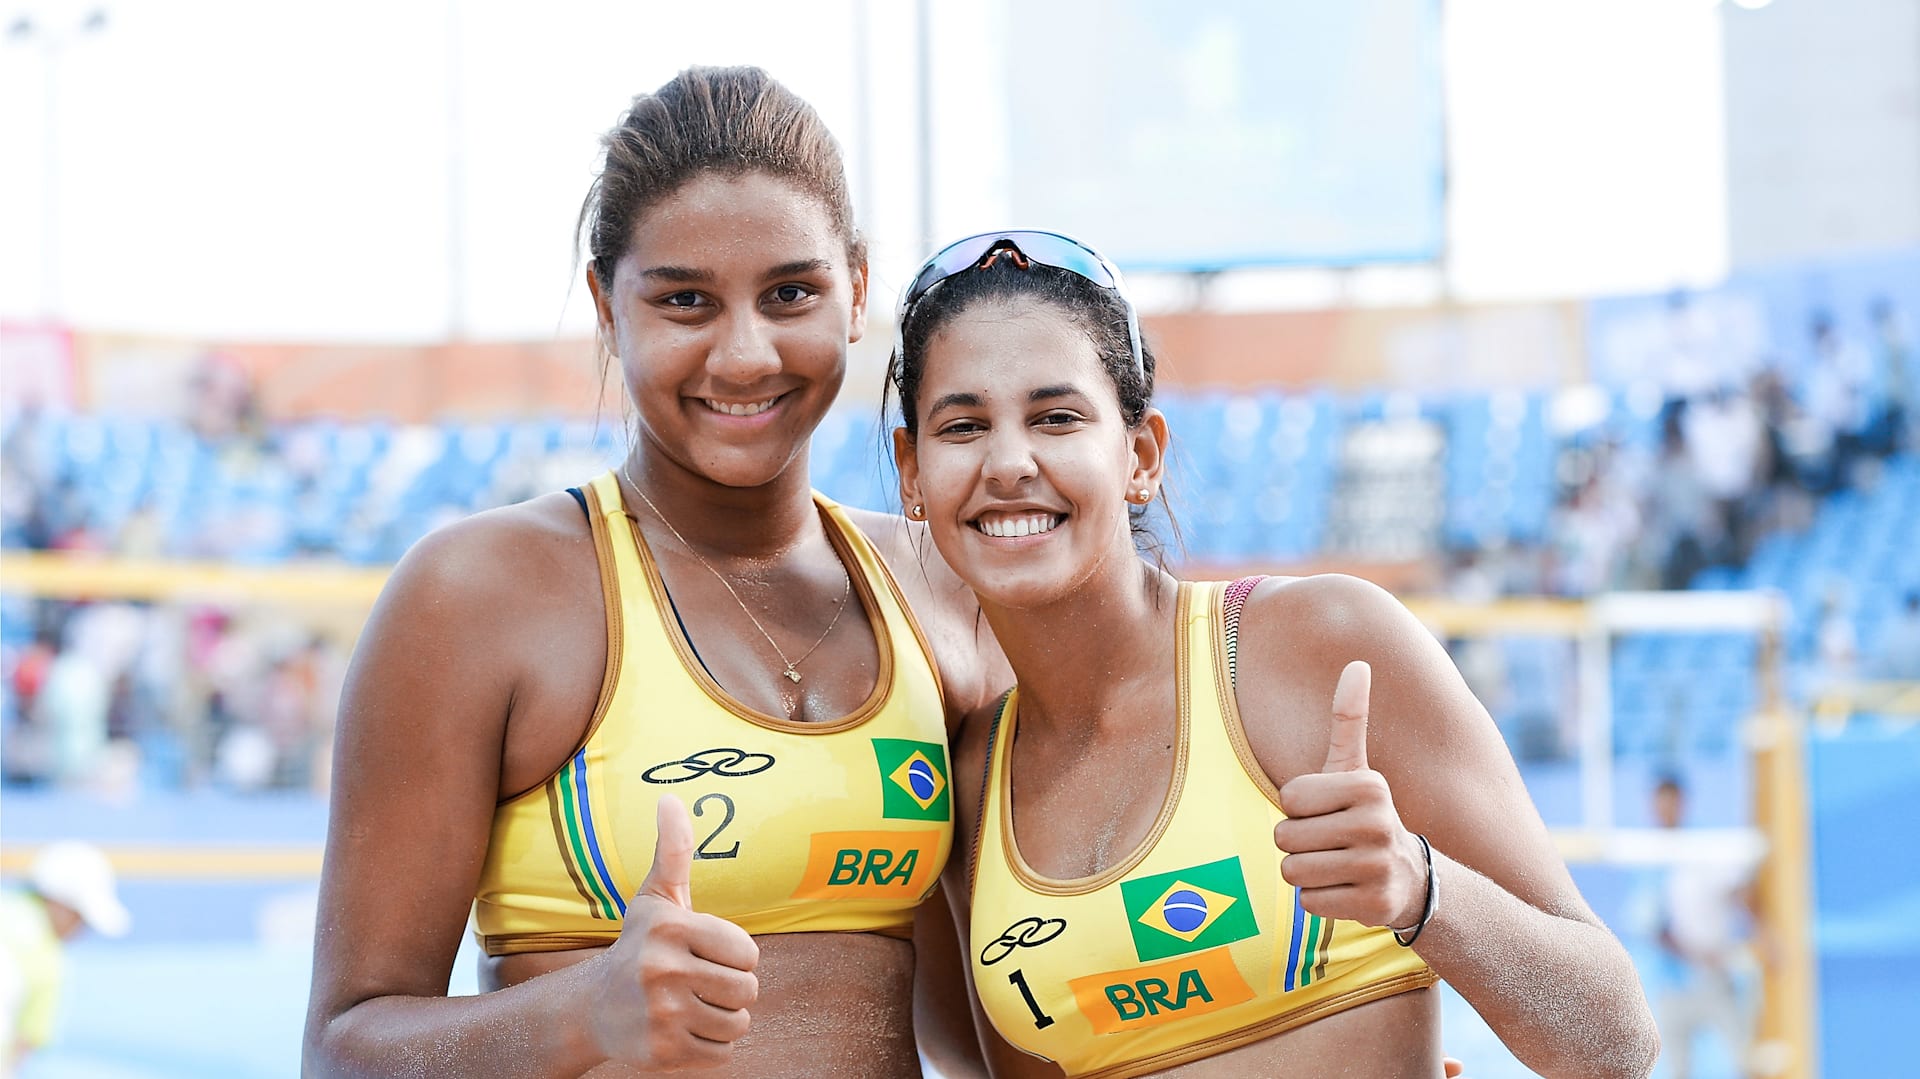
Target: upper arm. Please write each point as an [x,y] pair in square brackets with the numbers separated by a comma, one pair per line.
[417,760]
[942,1011]
[1450,773]
[33,1023]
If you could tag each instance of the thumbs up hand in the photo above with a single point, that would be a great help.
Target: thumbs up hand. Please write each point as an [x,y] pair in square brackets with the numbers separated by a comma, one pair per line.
[674,989]
[1346,850]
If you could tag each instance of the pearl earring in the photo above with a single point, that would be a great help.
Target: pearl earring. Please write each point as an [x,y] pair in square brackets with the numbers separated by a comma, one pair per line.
[917,512]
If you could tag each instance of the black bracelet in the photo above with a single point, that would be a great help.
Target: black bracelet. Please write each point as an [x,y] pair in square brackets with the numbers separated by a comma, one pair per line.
[1426,915]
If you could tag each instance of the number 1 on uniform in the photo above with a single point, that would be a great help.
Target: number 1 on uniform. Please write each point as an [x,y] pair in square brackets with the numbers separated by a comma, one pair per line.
[1041,1020]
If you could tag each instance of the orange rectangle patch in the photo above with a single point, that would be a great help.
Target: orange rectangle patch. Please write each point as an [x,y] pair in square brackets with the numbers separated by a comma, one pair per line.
[870,865]
[1146,996]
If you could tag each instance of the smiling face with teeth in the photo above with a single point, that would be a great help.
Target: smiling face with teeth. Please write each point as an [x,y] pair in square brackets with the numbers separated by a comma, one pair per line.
[731,312]
[1021,456]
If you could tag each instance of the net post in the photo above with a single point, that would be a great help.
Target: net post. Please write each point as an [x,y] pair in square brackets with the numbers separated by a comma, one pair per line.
[1787,1031]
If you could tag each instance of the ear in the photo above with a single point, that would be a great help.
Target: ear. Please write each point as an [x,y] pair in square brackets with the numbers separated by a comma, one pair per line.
[907,460]
[1149,442]
[857,327]
[602,305]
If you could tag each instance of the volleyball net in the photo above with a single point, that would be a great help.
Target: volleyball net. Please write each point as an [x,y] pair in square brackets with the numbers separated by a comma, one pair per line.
[1664,684]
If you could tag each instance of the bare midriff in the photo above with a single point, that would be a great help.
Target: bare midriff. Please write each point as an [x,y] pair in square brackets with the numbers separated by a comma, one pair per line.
[830,1004]
[1396,1037]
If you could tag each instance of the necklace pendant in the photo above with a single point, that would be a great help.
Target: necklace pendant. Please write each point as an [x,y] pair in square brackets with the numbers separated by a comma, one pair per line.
[793,676]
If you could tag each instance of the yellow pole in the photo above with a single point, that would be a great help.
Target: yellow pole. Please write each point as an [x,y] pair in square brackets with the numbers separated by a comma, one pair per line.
[1786,1039]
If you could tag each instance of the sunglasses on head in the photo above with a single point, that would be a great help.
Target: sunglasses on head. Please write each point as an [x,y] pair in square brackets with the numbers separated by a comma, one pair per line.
[1022,246]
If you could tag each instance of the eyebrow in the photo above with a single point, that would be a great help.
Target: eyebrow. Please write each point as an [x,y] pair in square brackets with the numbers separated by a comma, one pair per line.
[1048,393]
[688,275]
[972,400]
[955,400]
[800,266]
[680,275]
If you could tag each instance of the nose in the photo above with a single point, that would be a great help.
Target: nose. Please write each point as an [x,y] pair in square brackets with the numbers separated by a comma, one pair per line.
[1009,459]
[745,351]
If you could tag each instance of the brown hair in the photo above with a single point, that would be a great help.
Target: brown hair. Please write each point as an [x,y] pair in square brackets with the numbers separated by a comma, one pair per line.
[1098,312]
[729,120]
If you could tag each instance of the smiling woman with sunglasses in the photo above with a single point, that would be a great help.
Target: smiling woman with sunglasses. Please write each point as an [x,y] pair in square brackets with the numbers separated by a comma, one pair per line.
[1219,828]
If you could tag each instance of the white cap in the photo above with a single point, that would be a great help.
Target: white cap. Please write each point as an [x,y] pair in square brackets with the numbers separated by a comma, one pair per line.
[78,875]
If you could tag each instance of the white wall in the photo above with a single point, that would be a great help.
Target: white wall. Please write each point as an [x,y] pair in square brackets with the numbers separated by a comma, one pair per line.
[1823,128]
[229,168]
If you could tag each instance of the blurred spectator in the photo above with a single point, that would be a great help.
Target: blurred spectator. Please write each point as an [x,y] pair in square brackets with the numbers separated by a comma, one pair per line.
[29,746]
[1704,923]
[1897,658]
[72,708]
[70,888]
[1590,537]
[1838,388]
[1836,646]
[1787,460]
[1725,439]
[221,401]
[1896,376]
[1682,528]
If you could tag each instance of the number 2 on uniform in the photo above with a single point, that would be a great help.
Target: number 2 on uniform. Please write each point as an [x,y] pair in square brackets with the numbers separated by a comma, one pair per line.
[1041,1020]
[701,851]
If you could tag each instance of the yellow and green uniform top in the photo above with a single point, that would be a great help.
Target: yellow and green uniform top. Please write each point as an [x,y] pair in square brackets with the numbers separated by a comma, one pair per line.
[1193,944]
[31,970]
[841,826]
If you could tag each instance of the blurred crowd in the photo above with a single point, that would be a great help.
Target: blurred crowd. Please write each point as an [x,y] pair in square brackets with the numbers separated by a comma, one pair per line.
[1742,451]
[1731,449]
[108,696]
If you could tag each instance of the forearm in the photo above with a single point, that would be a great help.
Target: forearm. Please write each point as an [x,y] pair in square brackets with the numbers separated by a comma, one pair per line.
[535,1028]
[1560,993]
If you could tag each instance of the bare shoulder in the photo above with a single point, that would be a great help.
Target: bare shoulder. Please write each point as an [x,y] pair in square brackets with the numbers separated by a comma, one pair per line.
[915,561]
[1332,615]
[499,557]
[1298,634]
[473,602]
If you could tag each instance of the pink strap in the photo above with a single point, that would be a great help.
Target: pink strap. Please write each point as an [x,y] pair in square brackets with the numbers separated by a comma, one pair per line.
[1234,601]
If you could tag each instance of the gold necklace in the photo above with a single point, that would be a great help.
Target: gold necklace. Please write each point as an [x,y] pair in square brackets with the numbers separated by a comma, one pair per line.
[791,673]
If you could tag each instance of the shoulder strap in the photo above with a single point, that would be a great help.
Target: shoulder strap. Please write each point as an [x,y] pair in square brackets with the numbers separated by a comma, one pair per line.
[1233,602]
[986,782]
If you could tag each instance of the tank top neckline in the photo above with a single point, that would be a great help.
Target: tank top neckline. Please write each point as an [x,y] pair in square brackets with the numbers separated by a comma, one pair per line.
[1039,882]
[694,668]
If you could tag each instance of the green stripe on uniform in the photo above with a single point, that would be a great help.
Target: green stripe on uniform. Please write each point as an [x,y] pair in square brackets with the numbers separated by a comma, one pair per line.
[580,850]
[1312,943]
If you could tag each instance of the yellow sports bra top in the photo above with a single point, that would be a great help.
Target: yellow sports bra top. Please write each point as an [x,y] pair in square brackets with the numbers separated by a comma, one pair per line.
[1193,944]
[799,827]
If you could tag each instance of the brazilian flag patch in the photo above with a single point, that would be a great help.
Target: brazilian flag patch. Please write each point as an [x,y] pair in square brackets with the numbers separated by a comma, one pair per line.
[1188,910]
[913,779]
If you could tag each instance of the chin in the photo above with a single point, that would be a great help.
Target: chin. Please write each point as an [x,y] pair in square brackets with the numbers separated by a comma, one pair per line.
[1027,588]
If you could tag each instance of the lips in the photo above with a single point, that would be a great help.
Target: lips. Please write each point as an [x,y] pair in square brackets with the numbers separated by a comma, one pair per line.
[1018,525]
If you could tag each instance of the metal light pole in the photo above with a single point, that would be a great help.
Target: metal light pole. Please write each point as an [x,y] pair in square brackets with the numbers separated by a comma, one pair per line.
[52,41]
